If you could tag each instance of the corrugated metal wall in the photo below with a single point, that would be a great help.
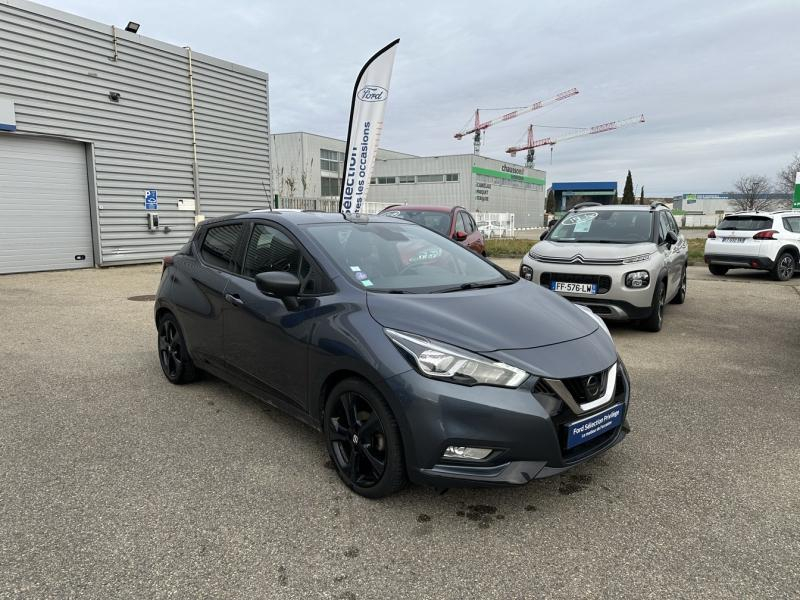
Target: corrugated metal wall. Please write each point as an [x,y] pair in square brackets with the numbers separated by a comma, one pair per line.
[59,70]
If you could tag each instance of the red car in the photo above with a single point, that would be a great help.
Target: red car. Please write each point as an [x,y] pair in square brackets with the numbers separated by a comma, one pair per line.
[455,222]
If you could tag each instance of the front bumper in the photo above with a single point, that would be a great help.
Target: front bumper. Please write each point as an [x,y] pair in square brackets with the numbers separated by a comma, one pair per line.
[614,300]
[525,428]
[740,261]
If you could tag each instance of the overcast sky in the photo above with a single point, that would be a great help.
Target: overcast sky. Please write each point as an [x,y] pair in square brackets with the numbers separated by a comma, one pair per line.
[717,81]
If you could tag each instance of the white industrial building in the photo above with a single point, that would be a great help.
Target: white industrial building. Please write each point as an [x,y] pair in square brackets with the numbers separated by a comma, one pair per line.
[307,172]
[113,145]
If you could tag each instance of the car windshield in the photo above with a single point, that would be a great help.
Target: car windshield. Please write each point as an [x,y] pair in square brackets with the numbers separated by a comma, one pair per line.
[604,226]
[403,258]
[744,223]
[432,219]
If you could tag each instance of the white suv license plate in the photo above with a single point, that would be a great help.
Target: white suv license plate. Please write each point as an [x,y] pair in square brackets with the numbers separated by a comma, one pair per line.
[575,288]
[733,240]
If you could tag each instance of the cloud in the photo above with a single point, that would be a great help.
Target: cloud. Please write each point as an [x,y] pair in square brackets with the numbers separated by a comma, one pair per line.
[716,80]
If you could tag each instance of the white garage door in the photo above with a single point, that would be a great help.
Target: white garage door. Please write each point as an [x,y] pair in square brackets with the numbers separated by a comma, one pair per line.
[45,222]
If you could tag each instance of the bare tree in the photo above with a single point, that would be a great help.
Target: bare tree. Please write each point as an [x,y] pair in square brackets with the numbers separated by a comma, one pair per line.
[786,177]
[752,191]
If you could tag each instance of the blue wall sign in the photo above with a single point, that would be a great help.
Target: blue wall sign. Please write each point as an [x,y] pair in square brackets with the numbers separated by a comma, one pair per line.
[151,200]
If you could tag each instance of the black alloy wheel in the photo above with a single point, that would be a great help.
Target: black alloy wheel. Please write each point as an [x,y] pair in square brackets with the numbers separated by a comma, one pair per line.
[680,297]
[784,267]
[175,361]
[363,440]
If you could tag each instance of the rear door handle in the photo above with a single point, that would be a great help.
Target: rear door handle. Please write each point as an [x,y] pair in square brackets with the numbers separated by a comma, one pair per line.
[234,299]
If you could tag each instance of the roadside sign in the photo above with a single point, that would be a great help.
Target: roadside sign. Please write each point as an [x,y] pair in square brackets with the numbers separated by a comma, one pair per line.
[796,201]
[151,200]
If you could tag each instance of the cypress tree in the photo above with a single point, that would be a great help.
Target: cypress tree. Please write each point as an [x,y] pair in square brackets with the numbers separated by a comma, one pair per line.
[628,197]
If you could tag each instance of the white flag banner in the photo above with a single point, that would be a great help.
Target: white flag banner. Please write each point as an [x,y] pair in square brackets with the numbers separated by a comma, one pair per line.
[366,123]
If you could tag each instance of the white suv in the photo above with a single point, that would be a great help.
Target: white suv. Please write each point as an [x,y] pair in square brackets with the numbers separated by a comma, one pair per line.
[769,241]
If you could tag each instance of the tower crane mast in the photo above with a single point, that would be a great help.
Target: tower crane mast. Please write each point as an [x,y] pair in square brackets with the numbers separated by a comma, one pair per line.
[479,127]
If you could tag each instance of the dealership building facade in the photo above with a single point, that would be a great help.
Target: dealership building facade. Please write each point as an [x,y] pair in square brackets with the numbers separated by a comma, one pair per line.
[310,167]
[113,145]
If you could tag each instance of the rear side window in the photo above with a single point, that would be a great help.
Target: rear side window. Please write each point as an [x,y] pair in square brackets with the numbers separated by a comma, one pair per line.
[219,247]
[663,227]
[745,223]
[792,224]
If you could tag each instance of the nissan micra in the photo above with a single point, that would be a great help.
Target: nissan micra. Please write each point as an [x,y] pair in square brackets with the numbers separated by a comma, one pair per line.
[417,358]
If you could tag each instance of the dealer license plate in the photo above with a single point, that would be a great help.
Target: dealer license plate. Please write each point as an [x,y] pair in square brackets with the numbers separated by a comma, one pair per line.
[733,240]
[575,288]
[580,432]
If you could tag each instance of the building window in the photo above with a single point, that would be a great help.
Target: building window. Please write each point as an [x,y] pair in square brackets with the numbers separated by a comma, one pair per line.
[406,179]
[374,180]
[385,180]
[452,177]
[430,178]
[330,186]
[331,160]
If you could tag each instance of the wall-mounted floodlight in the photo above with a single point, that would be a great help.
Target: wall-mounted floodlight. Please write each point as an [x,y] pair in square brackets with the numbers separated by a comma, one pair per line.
[132,27]
[114,96]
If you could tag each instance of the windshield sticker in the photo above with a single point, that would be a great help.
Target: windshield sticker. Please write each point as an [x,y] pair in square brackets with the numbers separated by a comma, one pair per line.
[355,269]
[425,255]
[361,276]
[367,283]
[580,218]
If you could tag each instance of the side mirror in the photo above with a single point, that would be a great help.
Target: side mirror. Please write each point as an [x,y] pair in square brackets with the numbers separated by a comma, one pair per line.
[543,235]
[551,223]
[281,285]
[460,236]
[672,238]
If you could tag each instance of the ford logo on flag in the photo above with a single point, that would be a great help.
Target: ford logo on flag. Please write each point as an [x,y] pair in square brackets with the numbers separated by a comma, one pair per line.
[373,93]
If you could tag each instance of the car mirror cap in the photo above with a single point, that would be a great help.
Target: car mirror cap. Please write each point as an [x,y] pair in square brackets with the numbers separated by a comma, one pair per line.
[278,284]
[460,236]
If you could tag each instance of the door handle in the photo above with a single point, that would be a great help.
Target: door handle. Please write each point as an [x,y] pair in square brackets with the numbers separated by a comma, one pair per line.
[234,299]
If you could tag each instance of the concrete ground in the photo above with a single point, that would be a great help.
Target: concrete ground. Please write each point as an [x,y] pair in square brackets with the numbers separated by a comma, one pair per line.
[116,484]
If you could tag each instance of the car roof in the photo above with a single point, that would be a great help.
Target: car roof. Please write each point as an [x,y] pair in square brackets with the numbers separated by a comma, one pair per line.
[785,212]
[428,207]
[634,207]
[306,217]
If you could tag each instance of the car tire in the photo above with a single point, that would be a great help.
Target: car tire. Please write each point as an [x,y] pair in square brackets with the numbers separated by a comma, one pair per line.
[784,268]
[680,297]
[363,439]
[175,361]
[717,269]
[656,319]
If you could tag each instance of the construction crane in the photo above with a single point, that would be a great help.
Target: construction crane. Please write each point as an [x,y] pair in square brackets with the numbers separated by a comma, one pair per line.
[532,144]
[479,127]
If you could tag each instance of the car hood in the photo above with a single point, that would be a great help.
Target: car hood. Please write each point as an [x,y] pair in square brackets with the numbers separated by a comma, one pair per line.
[589,251]
[515,316]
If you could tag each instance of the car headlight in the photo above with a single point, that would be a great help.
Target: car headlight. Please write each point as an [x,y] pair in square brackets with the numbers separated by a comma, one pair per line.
[637,279]
[526,272]
[441,361]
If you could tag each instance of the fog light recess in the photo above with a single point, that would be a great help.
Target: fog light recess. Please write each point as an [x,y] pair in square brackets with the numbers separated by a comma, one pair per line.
[467,452]
[526,272]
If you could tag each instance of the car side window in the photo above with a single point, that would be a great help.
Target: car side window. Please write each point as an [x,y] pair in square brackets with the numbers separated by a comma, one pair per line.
[463,222]
[792,224]
[673,224]
[269,249]
[219,247]
[472,225]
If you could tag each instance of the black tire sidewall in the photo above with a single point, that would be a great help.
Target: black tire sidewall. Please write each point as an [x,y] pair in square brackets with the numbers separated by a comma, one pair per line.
[780,259]
[394,477]
[186,372]
[680,297]
[654,322]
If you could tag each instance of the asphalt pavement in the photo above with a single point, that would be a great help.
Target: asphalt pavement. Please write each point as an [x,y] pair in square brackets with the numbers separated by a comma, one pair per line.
[116,484]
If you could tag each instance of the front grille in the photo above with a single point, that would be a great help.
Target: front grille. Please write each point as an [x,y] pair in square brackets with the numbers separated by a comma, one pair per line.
[576,260]
[567,416]
[603,282]
[577,386]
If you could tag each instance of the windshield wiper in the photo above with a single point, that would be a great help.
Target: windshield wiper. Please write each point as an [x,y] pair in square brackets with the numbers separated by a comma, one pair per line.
[473,286]
[392,291]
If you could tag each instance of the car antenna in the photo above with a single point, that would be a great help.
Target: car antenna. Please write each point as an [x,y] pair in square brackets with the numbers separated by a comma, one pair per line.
[269,200]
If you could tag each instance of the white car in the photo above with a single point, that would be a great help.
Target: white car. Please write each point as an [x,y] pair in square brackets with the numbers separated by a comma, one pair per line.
[491,229]
[769,241]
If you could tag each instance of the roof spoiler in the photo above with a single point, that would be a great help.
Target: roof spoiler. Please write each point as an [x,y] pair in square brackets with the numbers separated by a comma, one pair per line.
[655,205]
[585,204]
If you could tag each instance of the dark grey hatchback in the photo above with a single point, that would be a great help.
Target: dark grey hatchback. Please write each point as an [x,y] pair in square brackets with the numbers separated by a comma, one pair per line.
[417,358]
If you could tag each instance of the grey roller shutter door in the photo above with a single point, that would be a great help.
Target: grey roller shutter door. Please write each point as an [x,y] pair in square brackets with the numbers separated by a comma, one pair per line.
[45,221]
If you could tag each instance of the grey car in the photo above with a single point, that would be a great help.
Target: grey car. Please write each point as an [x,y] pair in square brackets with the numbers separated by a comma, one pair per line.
[624,262]
[416,357]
